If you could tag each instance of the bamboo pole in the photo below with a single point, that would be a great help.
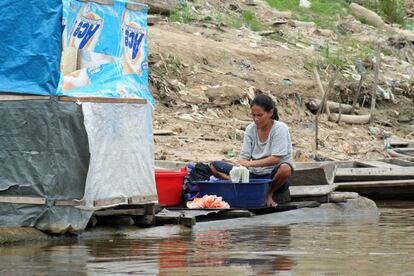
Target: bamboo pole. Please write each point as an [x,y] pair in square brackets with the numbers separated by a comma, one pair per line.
[356,96]
[325,96]
[374,90]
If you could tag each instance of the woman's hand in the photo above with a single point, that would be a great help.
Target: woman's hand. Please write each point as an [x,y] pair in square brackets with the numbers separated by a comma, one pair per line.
[243,162]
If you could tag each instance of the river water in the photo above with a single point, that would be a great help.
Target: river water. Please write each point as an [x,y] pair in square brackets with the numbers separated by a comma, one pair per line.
[383,247]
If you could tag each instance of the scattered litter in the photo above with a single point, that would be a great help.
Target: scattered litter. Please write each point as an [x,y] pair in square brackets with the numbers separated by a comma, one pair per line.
[287,82]
[384,94]
[305,4]
[245,64]
[230,153]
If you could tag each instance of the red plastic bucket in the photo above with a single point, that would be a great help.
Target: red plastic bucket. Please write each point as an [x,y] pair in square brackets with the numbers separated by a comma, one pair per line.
[170,186]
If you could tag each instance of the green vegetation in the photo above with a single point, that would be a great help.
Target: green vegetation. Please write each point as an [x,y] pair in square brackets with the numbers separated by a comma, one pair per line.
[231,21]
[393,11]
[409,25]
[247,19]
[250,20]
[323,12]
[344,54]
[326,12]
[183,15]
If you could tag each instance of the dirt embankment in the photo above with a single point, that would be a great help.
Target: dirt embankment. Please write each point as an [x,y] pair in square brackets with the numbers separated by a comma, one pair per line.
[203,73]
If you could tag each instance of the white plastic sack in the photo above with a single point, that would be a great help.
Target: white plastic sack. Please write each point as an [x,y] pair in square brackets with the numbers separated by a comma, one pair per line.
[305,4]
[121,150]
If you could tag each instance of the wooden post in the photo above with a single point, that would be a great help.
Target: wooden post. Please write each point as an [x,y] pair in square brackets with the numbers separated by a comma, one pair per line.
[325,95]
[328,92]
[356,96]
[340,113]
[324,100]
[316,134]
[374,90]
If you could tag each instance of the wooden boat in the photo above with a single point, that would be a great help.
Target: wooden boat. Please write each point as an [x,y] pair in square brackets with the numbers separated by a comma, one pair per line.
[382,179]
[393,169]
[314,173]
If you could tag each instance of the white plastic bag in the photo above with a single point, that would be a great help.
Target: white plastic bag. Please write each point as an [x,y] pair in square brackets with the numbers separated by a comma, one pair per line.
[305,4]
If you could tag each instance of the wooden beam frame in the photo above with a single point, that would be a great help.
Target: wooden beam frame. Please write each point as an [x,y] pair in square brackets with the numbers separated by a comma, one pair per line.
[102,100]
[22,97]
[377,184]
[23,200]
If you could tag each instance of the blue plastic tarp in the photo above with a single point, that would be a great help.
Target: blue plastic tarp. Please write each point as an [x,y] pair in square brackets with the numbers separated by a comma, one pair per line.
[105,50]
[30,46]
[74,48]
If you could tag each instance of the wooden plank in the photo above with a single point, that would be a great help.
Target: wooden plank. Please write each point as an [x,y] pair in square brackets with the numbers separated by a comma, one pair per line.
[142,199]
[73,202]
[407,151]
[379,164]
[377,184]
[163,132]
[389,192]
[367,174]
[115,220]
[175,217]
[399,162]
[102,100]
[150,209]
[23,200]
[120,212]
[145,220]
[398,142]
[103,2]
[23,97]
[394,153]
[110,202]
[298,205]
[309,191]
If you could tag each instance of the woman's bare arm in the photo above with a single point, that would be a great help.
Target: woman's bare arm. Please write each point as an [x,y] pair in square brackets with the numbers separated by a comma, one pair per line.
[265,162]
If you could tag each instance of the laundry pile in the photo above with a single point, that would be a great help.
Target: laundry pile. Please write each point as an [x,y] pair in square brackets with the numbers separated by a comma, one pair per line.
[208,202]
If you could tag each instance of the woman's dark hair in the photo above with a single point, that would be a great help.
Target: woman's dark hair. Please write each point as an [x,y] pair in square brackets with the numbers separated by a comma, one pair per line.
[267,104]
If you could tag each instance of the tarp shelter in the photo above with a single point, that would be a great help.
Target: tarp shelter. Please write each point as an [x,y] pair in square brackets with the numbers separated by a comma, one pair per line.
[65,153]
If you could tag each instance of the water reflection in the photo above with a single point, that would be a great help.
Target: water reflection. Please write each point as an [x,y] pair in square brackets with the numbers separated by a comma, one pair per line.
[383,248]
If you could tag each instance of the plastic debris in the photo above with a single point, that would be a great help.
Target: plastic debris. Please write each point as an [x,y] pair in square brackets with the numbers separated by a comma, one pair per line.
[230,153]
[384,94]
[287,82]
[305,4]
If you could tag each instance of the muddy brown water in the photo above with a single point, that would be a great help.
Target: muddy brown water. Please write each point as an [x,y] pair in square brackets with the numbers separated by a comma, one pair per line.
[384,247]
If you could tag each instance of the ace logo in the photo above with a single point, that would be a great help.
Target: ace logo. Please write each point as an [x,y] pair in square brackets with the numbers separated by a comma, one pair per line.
[133,41]
[85,32]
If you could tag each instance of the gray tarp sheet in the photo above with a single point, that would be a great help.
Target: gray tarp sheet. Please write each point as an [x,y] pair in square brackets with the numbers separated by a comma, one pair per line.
[65,151]
[43,153]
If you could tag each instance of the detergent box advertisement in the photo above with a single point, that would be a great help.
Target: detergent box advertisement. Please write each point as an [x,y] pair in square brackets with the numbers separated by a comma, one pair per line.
[104,49]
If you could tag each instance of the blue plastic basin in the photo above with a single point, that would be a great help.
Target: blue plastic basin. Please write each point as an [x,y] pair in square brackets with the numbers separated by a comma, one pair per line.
[238,195]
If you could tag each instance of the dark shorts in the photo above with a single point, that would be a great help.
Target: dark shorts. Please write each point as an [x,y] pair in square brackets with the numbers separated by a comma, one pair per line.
[225,168]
